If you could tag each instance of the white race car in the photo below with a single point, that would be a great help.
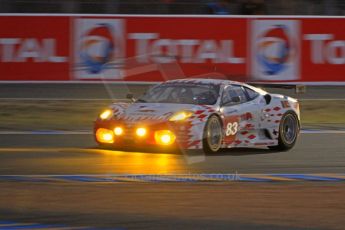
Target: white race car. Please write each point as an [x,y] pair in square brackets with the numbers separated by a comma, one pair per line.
[203,114]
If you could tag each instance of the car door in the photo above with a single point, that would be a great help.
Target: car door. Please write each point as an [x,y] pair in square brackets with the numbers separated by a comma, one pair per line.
[240,112]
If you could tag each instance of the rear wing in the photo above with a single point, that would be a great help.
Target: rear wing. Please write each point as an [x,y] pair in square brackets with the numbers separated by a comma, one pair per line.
[299,89]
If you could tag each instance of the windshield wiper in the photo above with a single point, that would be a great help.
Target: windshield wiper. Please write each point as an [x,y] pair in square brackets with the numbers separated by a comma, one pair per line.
[141,100]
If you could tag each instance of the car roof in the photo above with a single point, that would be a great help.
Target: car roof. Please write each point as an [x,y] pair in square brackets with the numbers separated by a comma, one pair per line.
[214,82]
[204,81]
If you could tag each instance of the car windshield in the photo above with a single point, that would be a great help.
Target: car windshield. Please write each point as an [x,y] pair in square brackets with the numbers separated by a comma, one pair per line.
[199,94]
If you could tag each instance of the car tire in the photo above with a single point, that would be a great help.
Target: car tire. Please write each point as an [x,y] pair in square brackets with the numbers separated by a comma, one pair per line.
[213,135]
[288,132]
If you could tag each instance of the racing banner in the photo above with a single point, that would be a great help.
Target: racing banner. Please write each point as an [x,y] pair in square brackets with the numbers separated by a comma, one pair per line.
[34,48]
[157,48]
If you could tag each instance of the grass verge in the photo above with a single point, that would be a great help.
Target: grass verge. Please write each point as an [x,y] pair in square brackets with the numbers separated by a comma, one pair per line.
[79,115]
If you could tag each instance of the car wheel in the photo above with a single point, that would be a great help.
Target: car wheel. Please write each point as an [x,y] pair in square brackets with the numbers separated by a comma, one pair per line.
[288,132]
[213,135]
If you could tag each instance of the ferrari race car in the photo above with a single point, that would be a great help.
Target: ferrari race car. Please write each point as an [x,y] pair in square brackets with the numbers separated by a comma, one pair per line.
[203,114]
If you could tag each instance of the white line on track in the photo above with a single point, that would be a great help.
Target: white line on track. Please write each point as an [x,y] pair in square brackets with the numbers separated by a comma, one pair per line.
[321,99]
[323,131]
[63,99]
[87,132]
[117,99]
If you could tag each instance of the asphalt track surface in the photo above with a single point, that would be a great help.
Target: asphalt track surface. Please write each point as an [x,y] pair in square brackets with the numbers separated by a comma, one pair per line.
[237,205]
[78,154]
[286,205]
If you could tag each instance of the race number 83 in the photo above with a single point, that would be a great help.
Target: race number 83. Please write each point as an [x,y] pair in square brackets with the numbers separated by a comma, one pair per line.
[231,129]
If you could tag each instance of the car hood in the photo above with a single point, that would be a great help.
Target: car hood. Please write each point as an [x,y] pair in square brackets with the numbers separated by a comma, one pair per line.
[158,111]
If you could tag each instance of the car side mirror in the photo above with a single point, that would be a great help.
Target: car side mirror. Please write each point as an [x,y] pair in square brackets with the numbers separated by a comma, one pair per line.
[268,98]
[130,96]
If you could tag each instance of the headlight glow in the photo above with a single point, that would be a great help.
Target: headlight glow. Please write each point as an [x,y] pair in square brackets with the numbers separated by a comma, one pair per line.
[118,131]
[106,114]
[180,116]
[141,132]
[105,136]
[164,137]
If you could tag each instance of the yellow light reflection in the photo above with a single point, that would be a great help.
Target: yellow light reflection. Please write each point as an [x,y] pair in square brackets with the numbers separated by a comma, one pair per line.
[141,163]
[163,160]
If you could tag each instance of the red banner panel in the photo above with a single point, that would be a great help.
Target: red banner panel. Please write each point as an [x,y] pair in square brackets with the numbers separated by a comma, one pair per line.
[157,48]
[129,48]
[34,48]
[323,42]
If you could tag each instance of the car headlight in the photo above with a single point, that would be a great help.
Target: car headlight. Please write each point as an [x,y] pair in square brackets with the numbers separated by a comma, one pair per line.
[105,136]
[180,116]
[164,137]
[118,131]
[141,132]
[106,114]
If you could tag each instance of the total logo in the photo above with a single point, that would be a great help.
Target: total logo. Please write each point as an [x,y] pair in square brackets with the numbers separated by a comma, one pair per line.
[21,50]
[150,47]
[275,50]
[99,47]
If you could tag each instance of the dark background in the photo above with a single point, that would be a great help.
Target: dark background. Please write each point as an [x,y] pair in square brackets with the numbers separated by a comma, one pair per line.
[230,7]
